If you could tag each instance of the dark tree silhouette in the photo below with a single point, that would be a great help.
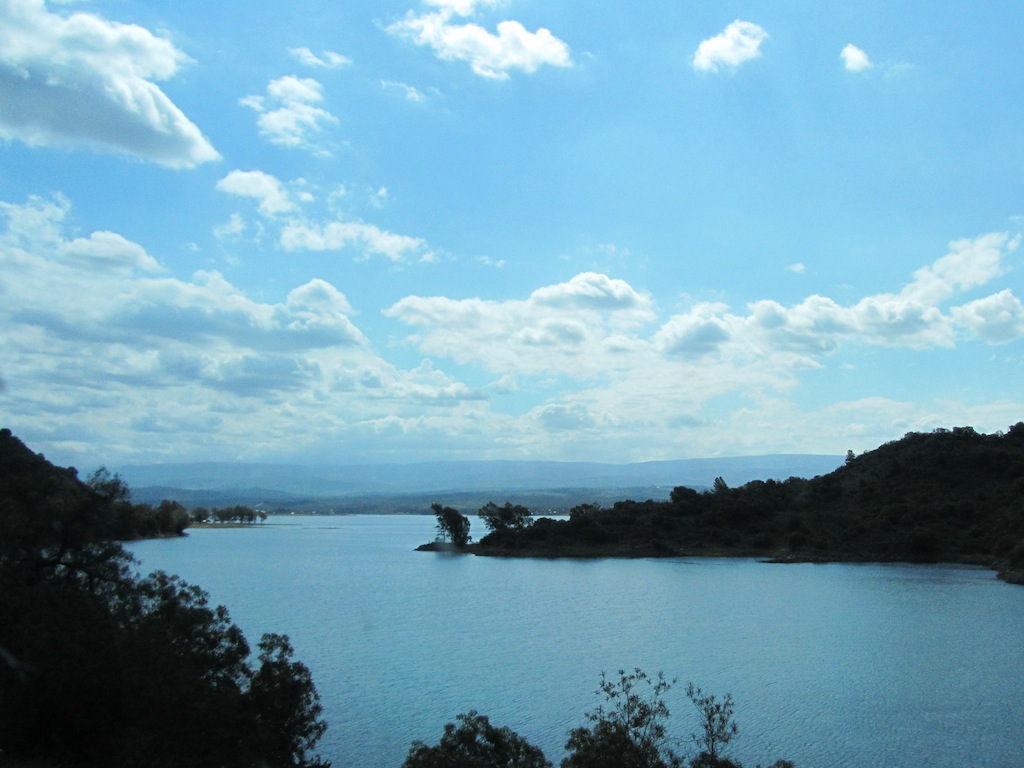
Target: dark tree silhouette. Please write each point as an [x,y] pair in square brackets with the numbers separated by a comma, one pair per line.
[452,525]
[475,743]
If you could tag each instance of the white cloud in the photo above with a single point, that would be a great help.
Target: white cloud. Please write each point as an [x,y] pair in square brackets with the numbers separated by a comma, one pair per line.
[700,332]
[854,59]
[490,55]
[234,227]
[107,251]
[969,264]
[997,319]
[83,81]
[211,372]
[288,115]
[326,60]
[572,328]
[207,370]
[738,43]
[299,231]
[412,93]
[369,239]
[261,186]
[590,326]
[462,7]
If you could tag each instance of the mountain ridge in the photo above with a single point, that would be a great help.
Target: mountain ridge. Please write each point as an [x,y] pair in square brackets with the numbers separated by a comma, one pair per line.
[361,480]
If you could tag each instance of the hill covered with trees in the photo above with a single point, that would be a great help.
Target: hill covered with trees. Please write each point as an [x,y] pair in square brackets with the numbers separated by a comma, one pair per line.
[101,667]
[951,495]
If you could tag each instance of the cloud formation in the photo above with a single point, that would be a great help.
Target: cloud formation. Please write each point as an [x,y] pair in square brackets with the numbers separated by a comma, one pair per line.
[260,186]
[854,59]
[83,81]
[738,43]
[129,350]
[576,328]
[288,113]
[301,231]
[590,325]
[490,55]
[326,60]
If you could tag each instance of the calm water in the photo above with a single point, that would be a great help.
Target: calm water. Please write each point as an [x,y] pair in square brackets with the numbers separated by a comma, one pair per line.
[829,665]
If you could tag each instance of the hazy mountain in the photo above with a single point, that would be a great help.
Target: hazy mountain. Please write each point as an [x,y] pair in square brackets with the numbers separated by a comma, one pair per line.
[286,480]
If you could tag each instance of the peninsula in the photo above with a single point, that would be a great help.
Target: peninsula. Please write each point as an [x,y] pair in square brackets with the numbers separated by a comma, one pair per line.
[951,495]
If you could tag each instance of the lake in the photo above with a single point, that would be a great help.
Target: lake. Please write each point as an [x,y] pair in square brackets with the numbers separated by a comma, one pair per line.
[829,665]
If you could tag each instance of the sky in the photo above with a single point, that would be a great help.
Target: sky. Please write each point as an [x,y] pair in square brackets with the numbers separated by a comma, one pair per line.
[408,230]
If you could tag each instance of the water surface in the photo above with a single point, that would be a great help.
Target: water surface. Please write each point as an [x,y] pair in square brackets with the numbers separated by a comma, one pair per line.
[830,665]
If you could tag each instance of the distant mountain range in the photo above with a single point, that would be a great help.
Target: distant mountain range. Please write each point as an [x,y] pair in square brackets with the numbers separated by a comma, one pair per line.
[233,483]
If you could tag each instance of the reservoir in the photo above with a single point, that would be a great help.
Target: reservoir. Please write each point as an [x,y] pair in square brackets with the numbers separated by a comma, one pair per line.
[830,666]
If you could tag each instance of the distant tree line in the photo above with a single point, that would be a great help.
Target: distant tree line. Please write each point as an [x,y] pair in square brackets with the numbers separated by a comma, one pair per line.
[628,729]
[100,667]
[233,514]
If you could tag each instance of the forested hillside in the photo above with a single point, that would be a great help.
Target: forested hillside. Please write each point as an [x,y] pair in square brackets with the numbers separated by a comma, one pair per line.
[100,667]
[945,496]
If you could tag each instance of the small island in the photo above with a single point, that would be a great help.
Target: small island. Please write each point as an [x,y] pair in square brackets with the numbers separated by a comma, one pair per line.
[947,496]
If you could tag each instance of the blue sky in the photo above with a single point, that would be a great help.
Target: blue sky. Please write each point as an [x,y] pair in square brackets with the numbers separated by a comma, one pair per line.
[397,231]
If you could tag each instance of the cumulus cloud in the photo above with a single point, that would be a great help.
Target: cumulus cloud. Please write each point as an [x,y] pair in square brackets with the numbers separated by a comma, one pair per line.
[117,300]
[205,368]
[854,59]
[300,231]
[592,325]
[326,60]
[82,81]
[915,317]
[369,239]
[489,55]
[107,251]
[288,113]
[565,417]
[738,43]
[592,291]
[997,319]
[260,186]
[210,371]
[695,334]
[573,328]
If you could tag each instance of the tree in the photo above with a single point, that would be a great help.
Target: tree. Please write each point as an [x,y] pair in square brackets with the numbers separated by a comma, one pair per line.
[507,518]
[717,727]
[581,510]
[286,706]
[452,525]
[628,730]
[99,667]
[110,486]
[475,743]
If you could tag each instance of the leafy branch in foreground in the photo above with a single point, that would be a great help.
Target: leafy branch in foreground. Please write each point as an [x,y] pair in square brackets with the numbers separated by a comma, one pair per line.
[627,730]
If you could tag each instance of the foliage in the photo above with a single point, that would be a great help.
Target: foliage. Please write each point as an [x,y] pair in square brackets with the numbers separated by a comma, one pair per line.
[99,667]
[452,525]
[475,743]
[134,521]
[952,495]
[285,706]
[510,517]
[716,723]
[628,730]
